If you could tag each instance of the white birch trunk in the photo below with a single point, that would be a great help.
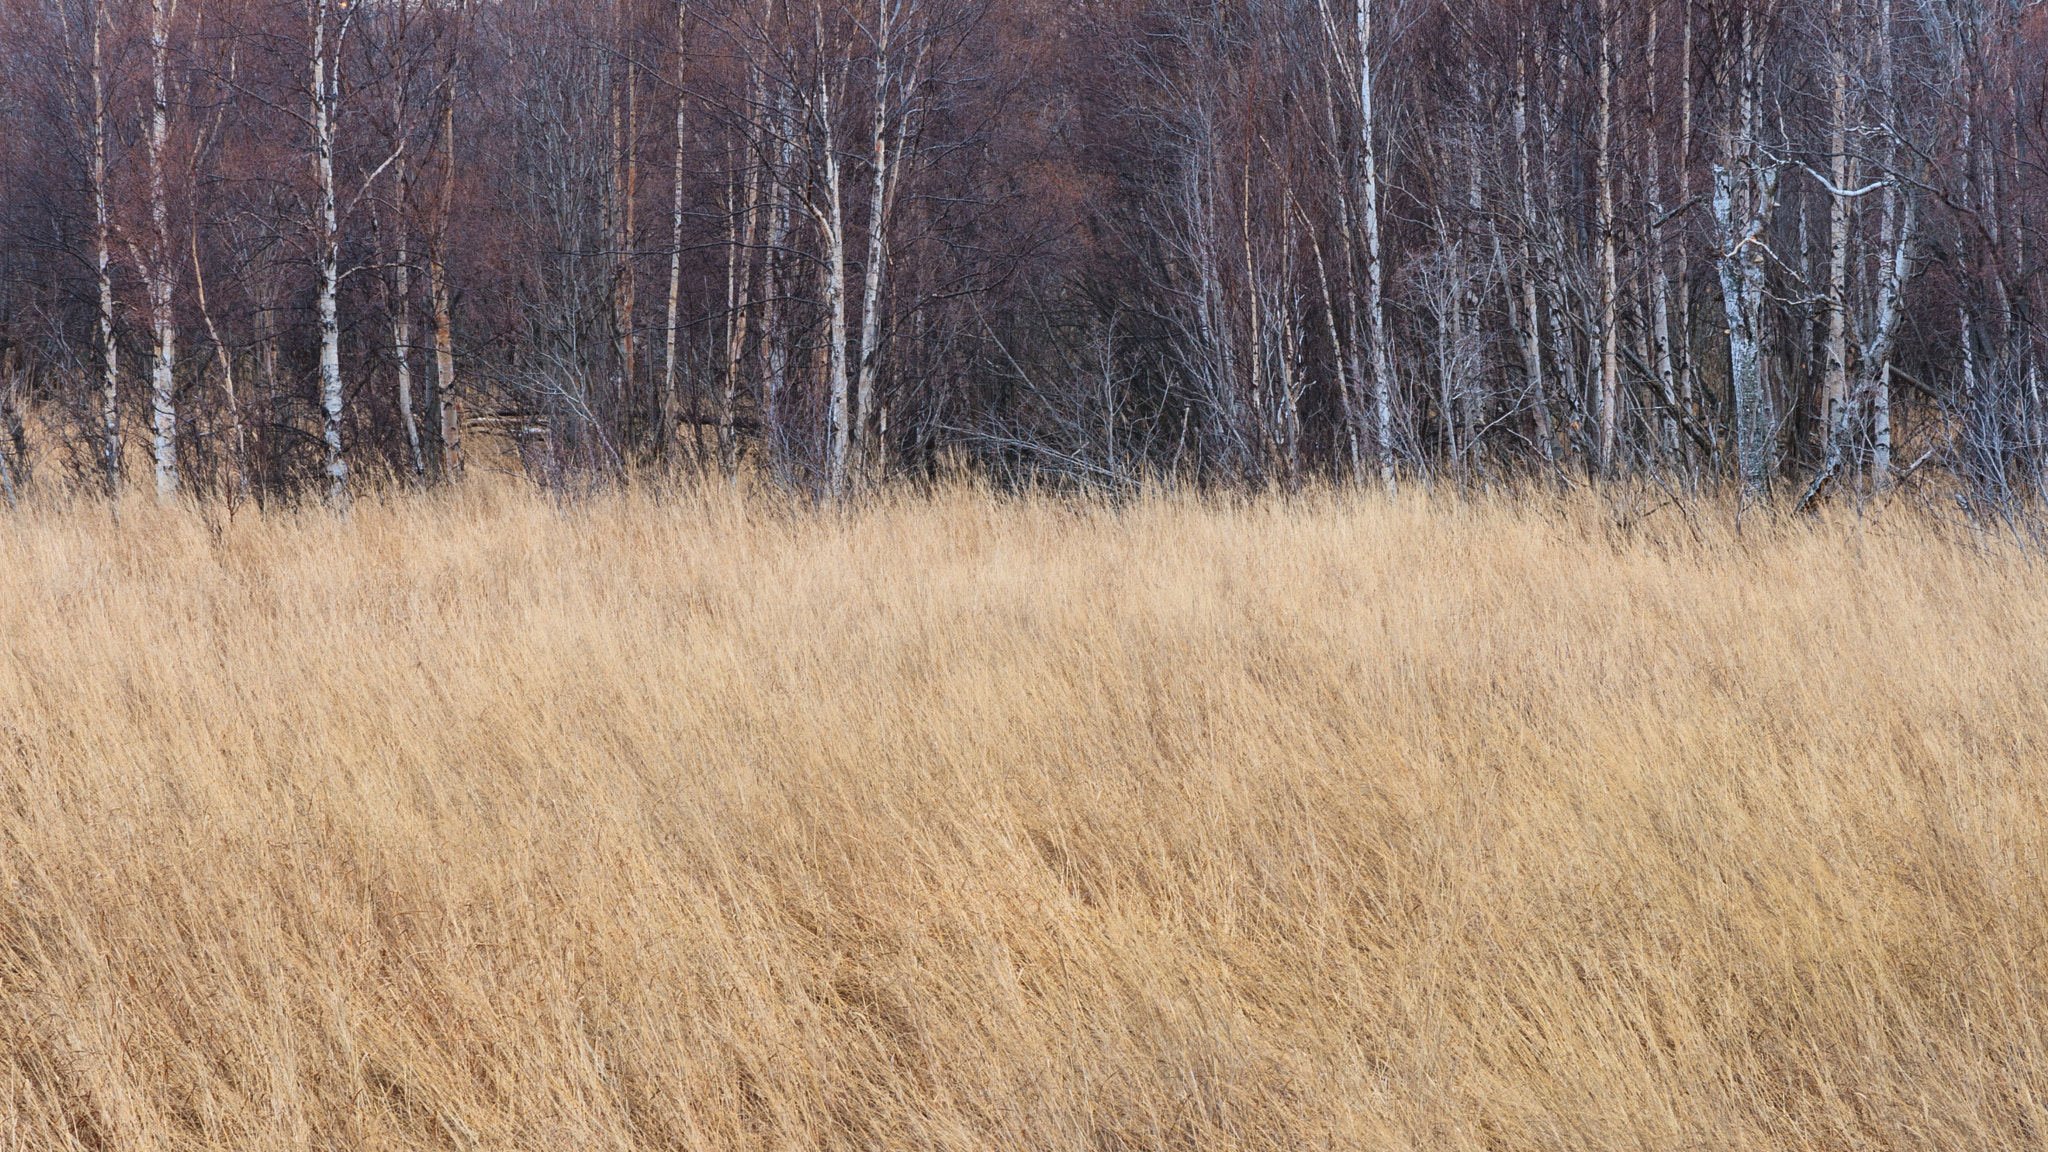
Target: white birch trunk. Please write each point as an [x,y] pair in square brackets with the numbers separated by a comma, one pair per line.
[867,449]
[671,428]
[1683,362]
[739,304]
[1531,333]
[1375,318]
[625,188]
[1349,365]
[1660,276]
[832,221]
[401,342]
[1898,230]
[110,356]
[447,398]
[1897,235]
[1608,399]
[1741,268]
[325,93]
[1563,356]
[450,402]
[1835,407]
[1471,400]
[777,349]
[162,322]
[1744,189]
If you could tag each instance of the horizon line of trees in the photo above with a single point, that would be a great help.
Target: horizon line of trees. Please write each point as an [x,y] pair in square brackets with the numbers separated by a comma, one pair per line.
[259,248]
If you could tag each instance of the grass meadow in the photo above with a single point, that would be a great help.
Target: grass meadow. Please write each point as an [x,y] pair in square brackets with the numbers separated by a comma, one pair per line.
[690,820]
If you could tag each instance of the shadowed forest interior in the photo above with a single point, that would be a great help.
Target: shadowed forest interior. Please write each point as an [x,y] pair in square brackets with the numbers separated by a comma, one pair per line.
[257,247]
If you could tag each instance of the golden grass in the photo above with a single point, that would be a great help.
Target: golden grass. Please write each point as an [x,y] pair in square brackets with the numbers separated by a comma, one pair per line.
[957,822]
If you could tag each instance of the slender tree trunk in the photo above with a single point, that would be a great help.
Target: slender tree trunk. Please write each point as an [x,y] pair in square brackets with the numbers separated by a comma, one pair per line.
[1609,335]
[1683,367]
[10,417]
[1897,236]
[1255,328]
[1471,398]
[401,338]
[833,223]
[11,425]
[1562,352]
[1744,188]
[775,341]
[671,429]
[1531,333]
[326,95]
[1742,277]
[871,452]
[1375,313]
[1898,231]
[450,400]
[1660,276]
[739,305]
[625,189]
[1835,406]
[2024,337]
[1346,357]
[110,356]
[1292,324]
[162,322]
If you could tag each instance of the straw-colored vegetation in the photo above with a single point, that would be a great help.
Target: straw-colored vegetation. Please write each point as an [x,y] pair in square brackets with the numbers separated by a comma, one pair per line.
[989,824]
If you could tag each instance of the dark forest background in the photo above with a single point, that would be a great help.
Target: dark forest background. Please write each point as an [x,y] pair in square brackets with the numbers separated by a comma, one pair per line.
[258,249]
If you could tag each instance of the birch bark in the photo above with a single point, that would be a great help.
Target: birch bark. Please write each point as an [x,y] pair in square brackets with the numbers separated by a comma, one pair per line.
[1609,376]
[1835,407]
[625,113]
[157,271]
[1531,333]
[401,330]
[1375,312]
[1744,190]
[671,429]
[110,356]
[832,222]
[867,449]
[449,400]
[739,303]
[895,111]
[326,85]
[1660,275]
[776,341]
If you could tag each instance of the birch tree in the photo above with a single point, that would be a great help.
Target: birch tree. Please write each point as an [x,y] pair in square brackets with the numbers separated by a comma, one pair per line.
[158,266]
[1531,335]
[622,207]
[828,208]
[399,305]
[1835,351]
[898,90]
[1660,273]
[1355,62]
[1745,191]
[324,100]
[110,354]
[448,399]
[671,429]
[1610,382]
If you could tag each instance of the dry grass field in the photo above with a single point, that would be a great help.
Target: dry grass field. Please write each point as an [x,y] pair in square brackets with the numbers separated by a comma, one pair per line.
[955,822]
